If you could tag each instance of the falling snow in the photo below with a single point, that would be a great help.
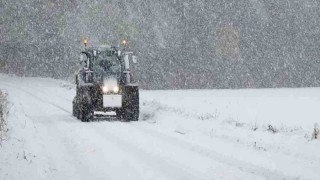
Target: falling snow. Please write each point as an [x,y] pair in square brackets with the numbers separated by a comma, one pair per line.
[180,44]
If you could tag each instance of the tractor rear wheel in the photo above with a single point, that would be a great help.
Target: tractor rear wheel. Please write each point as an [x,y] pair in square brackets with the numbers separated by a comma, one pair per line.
[131,103]
[85,112]
[74,107]
[119,114]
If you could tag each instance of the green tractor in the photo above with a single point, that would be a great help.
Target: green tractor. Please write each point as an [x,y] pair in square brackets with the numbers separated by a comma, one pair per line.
[107,82]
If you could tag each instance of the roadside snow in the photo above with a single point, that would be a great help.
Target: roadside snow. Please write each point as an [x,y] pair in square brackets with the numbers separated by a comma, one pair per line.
[185,134]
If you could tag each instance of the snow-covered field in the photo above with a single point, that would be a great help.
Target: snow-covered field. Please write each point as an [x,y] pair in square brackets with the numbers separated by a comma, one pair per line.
[185,134]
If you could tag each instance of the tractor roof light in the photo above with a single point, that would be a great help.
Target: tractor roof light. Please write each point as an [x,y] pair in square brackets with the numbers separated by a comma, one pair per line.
[85,42]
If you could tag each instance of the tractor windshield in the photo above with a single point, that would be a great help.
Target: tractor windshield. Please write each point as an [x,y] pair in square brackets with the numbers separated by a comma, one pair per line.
[107,65]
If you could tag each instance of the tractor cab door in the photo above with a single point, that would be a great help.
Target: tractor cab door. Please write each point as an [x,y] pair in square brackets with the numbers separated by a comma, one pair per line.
[131,66]
[85,73]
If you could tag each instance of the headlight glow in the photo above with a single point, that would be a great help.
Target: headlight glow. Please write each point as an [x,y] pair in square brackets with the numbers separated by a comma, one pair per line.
[116,89]
[110,85]
[105,89]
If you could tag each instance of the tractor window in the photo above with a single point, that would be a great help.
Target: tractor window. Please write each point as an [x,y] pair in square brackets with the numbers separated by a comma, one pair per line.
[106,65]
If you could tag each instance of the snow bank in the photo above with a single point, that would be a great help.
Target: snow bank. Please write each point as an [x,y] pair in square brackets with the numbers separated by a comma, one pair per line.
[3,115]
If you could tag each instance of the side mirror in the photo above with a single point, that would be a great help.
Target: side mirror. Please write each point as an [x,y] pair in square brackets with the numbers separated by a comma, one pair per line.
[134,59]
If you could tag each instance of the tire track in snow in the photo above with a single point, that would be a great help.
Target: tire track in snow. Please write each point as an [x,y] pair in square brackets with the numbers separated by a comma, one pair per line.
[57,132]
[243,166]
[166,166]
[47,147]
[38,98]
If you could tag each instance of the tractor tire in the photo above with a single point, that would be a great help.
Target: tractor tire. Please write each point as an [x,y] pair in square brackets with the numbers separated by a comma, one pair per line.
[85,112]
[119,114]
[74,108]
[131,103]
[78,112]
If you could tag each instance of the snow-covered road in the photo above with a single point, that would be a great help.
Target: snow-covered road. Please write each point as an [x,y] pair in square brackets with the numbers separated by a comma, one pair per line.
[191,134]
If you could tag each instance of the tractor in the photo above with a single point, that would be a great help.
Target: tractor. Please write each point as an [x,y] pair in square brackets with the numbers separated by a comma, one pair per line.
[106,82]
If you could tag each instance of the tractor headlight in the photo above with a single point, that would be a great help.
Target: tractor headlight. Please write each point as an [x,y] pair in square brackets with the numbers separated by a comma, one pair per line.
[104,89]
[110,85]
[116,89]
